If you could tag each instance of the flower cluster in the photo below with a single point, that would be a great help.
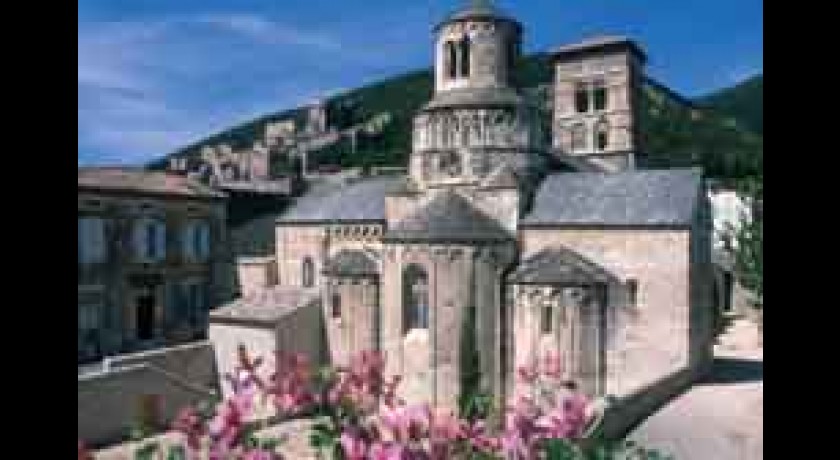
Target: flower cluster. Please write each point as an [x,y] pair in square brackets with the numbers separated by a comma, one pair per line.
[545,408]
[360,416]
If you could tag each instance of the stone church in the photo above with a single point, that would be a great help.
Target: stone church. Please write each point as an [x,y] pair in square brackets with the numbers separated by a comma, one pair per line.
[544,232]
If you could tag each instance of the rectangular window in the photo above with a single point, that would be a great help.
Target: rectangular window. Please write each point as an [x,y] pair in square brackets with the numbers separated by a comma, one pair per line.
[150,240]
[196,241]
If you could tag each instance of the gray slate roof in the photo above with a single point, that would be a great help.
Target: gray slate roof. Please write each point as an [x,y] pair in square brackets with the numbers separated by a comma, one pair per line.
[478,9]
[476,97]
[560,265]
[351,263]
[137,180]
[448,217]
[599,42]
[666,197]
[360,201]
[503,177]
[266,306]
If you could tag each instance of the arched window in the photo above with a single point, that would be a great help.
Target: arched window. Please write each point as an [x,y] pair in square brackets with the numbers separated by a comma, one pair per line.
[450,57]
[632,292]
[546,319]
[602,135]
[415,298]
[581,98]
[578,137]
[335,306]
[599,95]
[449,164]
[307,272]
[464,46]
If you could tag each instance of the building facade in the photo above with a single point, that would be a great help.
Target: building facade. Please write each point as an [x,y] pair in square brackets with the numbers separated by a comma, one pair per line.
[152,259]
[609,266]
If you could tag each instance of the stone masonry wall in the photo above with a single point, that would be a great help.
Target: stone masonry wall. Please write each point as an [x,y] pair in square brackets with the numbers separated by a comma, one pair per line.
[293,244]
[353,329]
[428,359]
[110,402]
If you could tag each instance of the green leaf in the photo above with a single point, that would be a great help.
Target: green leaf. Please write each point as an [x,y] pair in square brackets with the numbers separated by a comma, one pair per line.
[560,449]
[147,451]
[176,453]
[271,443]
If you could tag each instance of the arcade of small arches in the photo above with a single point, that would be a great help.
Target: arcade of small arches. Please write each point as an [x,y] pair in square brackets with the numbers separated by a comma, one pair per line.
[359,232]
[502,128]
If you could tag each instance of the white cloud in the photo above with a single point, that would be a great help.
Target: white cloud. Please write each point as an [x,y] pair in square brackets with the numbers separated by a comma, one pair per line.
[270,32]
[147,87]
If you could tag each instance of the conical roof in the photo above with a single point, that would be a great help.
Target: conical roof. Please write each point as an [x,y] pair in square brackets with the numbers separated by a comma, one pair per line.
[449,218]
[479,9]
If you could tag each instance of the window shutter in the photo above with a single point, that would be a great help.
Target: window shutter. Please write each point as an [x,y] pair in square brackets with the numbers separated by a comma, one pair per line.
[197,240]
[160,241]
[187,242]
[205,241]
[82,242]
[140,250]
[97,240]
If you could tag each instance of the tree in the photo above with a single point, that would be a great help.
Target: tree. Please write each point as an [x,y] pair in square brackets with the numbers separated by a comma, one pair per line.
[749,238]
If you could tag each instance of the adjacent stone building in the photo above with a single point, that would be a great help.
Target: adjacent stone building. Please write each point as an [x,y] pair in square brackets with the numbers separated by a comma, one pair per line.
[610,267]
[153,258]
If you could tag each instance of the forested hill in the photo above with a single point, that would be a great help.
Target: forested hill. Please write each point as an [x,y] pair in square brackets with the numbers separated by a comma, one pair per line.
[675,131]
[744,102]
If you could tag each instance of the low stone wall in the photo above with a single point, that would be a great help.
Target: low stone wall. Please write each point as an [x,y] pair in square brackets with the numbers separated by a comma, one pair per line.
[627,413]
[154,384]
[193,362]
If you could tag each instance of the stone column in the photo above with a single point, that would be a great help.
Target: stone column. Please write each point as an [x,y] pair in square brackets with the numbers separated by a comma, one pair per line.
[592,354]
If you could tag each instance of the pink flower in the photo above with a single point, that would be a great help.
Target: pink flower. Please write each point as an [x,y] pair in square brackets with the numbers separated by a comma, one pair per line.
[386,451]
[354,447]
[190,424]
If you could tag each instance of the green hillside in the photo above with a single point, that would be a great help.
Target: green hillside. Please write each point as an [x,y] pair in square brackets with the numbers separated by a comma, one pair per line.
[674,133]
[744,101]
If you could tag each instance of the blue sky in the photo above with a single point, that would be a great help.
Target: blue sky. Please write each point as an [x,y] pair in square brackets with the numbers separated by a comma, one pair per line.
[155,75]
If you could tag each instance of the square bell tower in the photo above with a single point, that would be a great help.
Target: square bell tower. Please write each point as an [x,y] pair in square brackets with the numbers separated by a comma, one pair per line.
[596,90]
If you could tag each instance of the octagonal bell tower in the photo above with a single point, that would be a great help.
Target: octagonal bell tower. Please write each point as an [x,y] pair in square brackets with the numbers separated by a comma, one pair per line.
[477,122]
